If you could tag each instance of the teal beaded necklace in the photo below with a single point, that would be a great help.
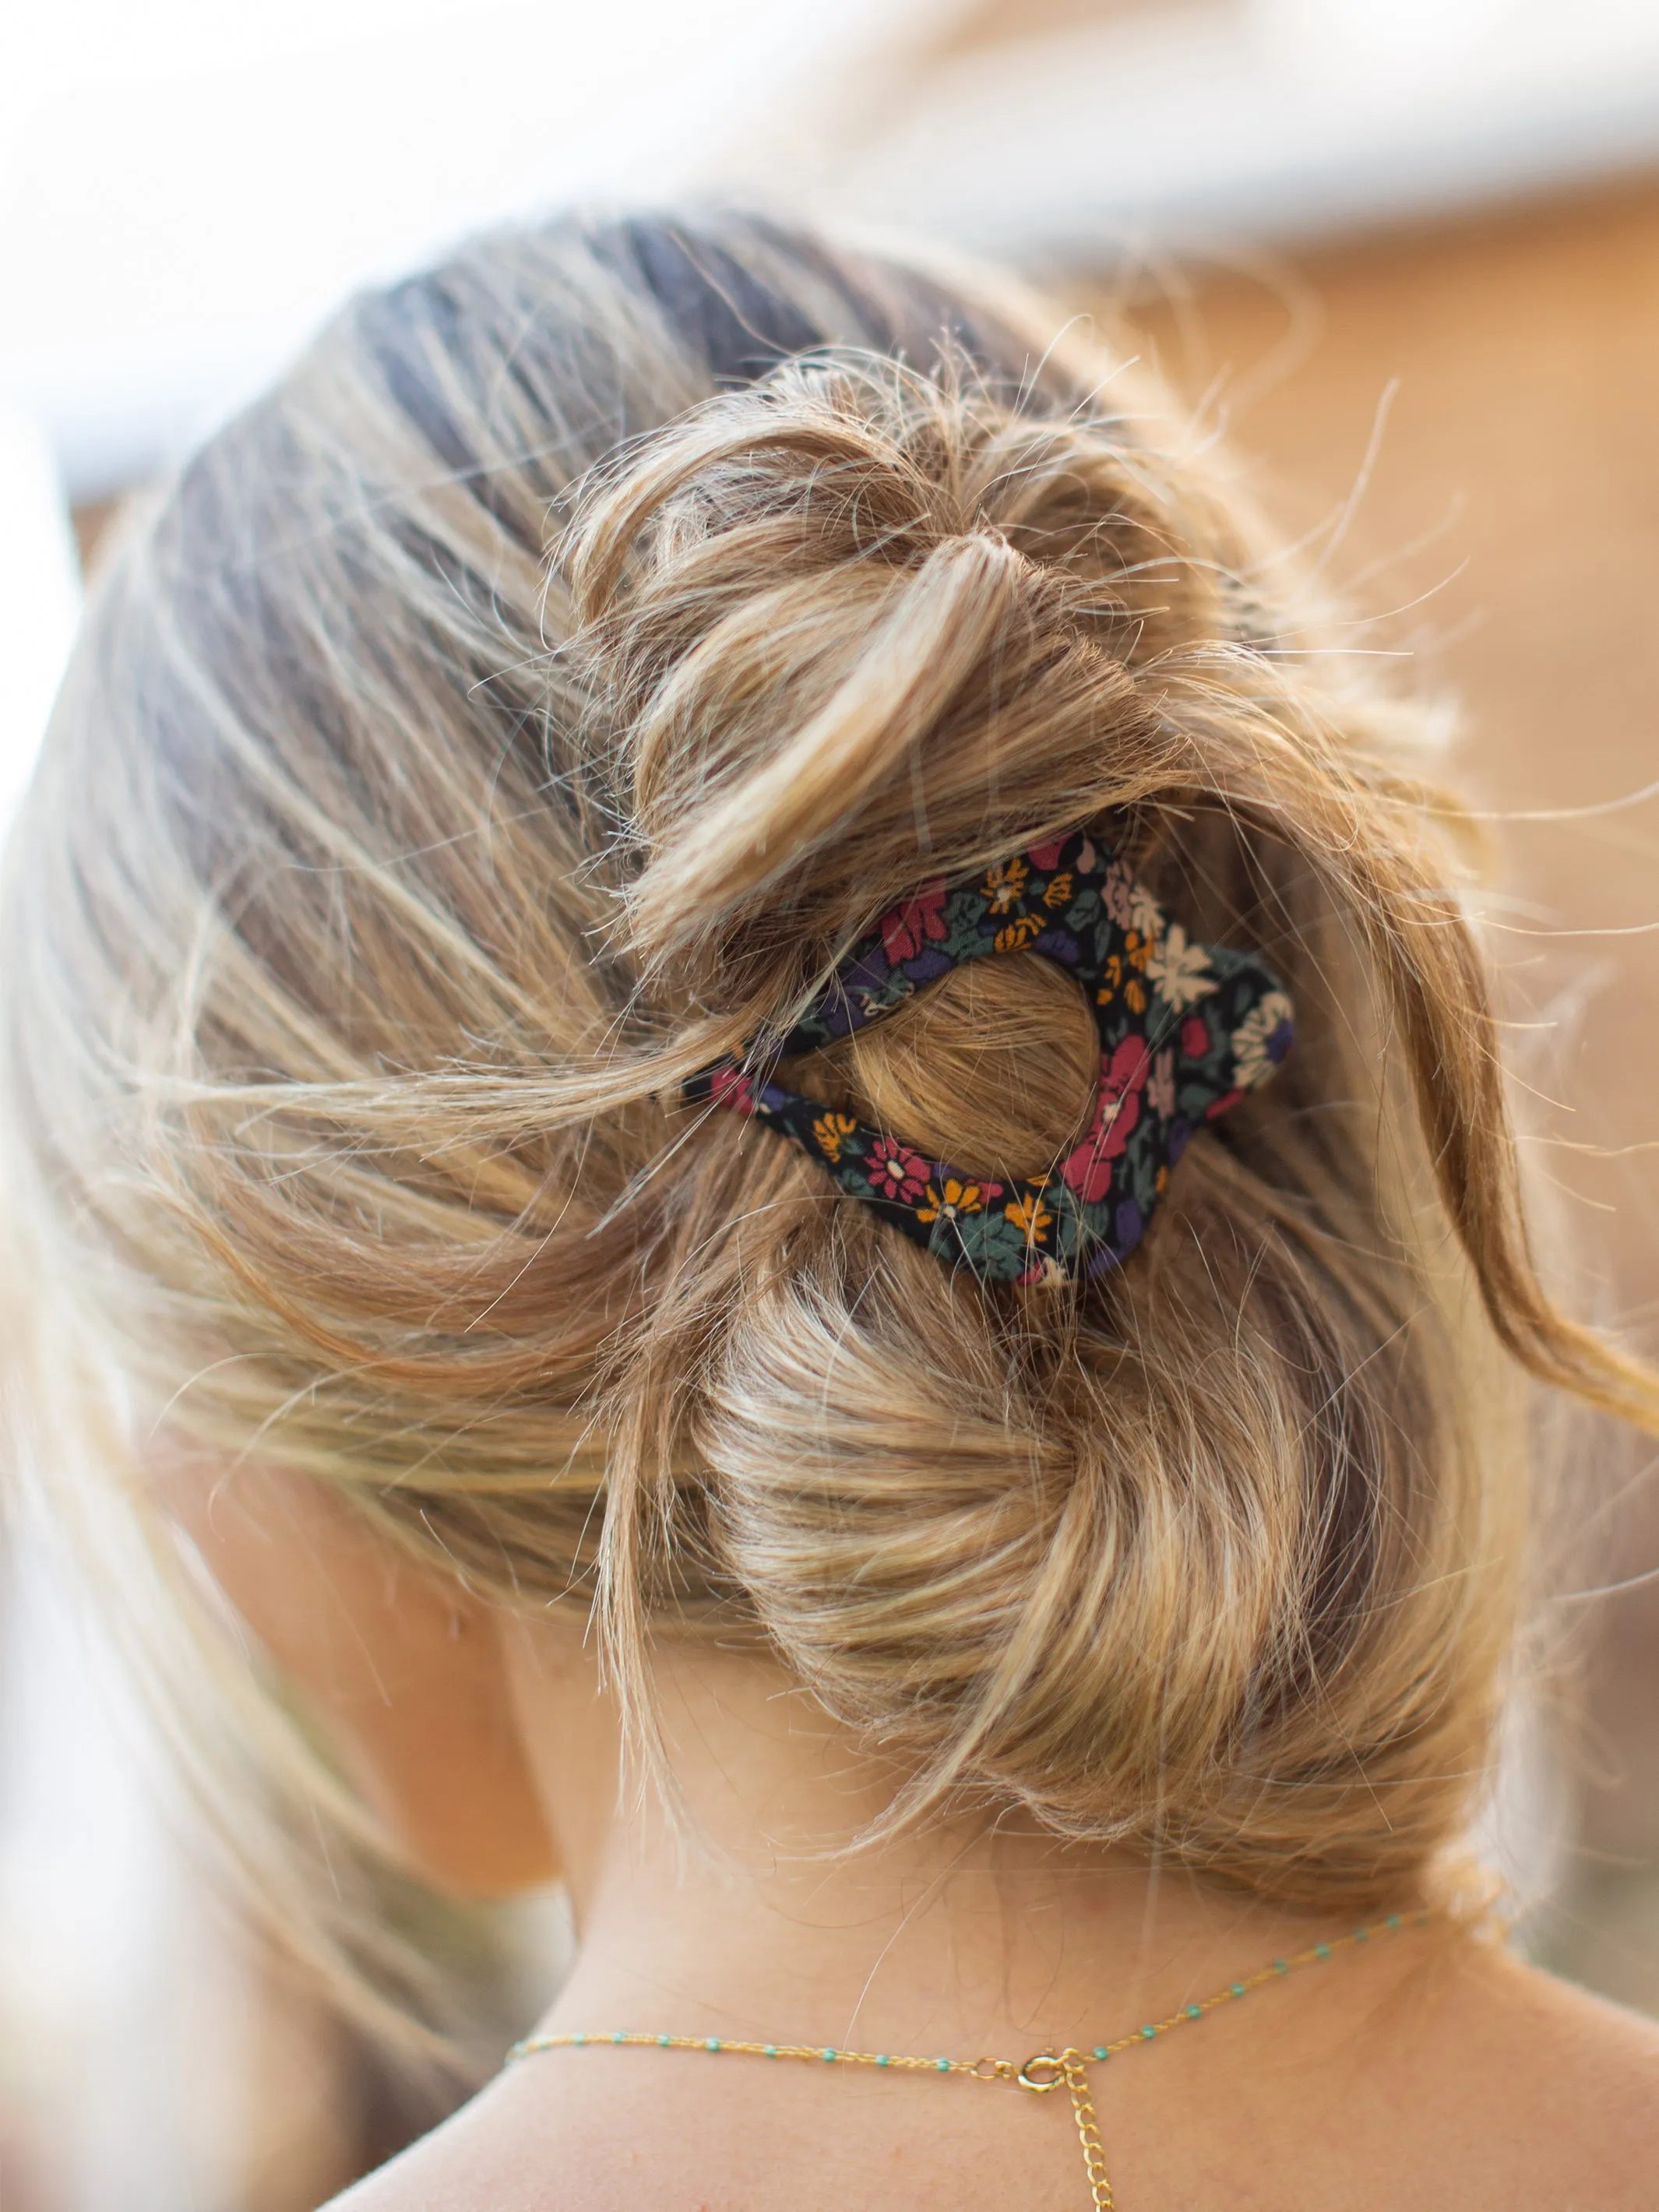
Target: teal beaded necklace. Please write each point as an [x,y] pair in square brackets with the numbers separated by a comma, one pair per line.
[1048,2069]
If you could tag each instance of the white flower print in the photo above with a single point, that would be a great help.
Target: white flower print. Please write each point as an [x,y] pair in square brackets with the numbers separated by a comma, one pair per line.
[1253,1061]
[1145,913]
[1180,971]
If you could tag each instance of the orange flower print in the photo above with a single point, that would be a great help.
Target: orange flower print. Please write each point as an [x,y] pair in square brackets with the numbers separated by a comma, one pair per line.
[1058,891]
[1005,885]
[1032,1218]
[832,1131]
[1135,995]
[957,1198]
[1014,936]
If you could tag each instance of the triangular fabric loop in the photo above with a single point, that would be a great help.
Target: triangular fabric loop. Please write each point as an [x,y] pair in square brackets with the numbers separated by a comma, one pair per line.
[1185,1030]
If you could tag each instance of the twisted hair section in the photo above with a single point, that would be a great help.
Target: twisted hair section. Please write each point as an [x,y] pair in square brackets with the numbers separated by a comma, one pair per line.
[510,714]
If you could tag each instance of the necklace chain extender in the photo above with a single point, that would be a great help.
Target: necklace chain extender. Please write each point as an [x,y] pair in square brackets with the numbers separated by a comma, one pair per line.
[1046,2071]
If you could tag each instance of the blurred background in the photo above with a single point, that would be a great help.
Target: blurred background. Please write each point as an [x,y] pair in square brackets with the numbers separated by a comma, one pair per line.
[1404,254]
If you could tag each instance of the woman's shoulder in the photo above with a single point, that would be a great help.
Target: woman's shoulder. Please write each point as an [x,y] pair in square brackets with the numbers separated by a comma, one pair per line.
[479,2160]
[1536,2011]
[1554,2092]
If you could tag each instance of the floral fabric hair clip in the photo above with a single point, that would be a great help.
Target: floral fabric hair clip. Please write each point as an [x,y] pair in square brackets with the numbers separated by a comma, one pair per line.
[1185,1030]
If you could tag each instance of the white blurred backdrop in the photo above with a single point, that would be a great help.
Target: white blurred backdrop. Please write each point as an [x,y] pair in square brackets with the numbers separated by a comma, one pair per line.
[188,186]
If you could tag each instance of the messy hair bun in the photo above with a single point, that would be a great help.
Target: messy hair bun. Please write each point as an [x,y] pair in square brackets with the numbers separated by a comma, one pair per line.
[382,887]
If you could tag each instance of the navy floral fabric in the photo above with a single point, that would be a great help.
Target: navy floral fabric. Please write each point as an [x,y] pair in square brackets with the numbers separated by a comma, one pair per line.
[1185,1030]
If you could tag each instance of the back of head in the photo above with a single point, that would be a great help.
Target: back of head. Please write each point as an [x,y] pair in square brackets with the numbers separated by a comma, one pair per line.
[383,882]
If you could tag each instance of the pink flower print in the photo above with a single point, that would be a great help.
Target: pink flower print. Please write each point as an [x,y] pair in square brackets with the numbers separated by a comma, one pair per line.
[1088,1170]
[1117,895]
[897,1172]
[1161,1090]
[919,921]
[1194,1038]
[731,1087]
[1045,858]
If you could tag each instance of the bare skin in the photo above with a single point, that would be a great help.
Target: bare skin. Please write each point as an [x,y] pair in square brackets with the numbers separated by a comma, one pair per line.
[1428,2069]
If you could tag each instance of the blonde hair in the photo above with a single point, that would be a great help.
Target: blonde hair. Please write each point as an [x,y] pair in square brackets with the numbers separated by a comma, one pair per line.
[382,881]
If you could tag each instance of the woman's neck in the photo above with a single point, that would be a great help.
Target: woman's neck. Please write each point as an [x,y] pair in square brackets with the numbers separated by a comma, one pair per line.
[1419,2070]
[749,1918]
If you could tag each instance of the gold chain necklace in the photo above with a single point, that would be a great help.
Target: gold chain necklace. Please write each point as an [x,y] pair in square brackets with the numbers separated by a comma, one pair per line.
[1047,2071]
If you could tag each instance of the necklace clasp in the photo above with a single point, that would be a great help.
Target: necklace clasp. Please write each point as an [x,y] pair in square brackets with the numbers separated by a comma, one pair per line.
[1044,2072]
